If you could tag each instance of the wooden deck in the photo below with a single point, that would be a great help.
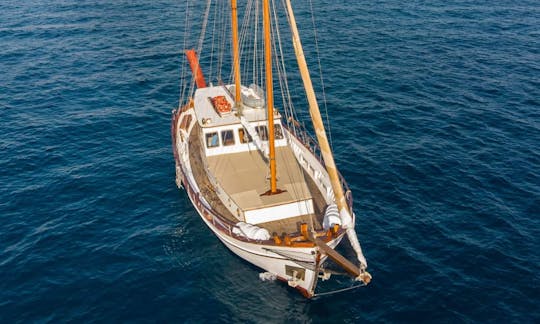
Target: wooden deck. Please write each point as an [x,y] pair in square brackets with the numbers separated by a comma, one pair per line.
[289,225]
[197,166]
[243,176]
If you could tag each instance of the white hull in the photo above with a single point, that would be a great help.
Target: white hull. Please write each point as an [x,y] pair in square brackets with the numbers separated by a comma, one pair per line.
[261,256]
[297,261]
[280,261]
[272,258]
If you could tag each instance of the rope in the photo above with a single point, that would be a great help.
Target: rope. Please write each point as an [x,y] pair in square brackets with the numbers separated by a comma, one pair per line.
[321,74]
[201,40]
[284,89]
[288,106]
[244,31]
[245,41]
[338,290]
[223,38]
[256,34]
[205,23]
[293,113]
[212,51]
[183,83]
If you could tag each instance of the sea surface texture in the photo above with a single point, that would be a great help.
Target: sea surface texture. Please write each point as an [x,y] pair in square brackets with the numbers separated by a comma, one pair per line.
[434,108]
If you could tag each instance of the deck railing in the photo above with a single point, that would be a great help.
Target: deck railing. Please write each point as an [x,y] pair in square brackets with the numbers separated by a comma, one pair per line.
[221,221]
[303,136]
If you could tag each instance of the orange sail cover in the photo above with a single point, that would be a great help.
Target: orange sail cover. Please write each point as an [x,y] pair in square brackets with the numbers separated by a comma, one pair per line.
[196,68]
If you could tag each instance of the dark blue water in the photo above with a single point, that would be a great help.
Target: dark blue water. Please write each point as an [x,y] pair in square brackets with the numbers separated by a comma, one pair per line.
[435,115]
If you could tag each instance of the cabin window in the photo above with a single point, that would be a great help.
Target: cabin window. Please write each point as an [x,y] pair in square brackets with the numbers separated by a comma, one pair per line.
[212,140]
[278,131]
[227,137]
[262,131]
[244,136]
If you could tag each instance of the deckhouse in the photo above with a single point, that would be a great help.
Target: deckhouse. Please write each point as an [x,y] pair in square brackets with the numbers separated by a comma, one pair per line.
[235,142]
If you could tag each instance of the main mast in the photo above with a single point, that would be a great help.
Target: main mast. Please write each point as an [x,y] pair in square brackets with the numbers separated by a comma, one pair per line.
[236,55]
[269,97]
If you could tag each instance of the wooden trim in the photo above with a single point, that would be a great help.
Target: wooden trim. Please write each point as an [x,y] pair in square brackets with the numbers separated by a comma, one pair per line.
[209,214]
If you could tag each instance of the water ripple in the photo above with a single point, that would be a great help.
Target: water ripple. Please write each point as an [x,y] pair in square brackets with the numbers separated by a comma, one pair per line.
[435,124]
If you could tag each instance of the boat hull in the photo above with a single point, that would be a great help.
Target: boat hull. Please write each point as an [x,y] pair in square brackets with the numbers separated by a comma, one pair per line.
[271,258]
[297,266]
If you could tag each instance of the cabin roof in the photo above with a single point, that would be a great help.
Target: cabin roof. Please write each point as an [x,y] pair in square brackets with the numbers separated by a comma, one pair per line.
[207,116]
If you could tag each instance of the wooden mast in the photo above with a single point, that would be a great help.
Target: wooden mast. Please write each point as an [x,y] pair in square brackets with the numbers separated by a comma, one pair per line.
[236,55]
[326,151]
[316,115]
[269,97]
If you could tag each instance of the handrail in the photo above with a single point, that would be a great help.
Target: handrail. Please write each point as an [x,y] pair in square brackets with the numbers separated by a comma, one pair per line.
[303,136]
[220,219]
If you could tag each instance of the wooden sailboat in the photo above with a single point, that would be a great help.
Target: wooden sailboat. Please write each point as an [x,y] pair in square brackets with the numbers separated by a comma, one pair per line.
[257,180]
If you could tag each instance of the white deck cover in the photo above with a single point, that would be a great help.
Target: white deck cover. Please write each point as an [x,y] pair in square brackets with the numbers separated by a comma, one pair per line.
[243,176]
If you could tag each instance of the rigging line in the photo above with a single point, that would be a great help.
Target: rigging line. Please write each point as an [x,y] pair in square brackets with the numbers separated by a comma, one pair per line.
[304,173]
[244,29]
[221,47]
[213,49]
[288,20]
[246,21]
[226,36]
[321,74]
[292,110]
[250,48]
[201,40]
[261,52]
[282,77]
[255,45]
[216,41]
[287,104]
[182,68]
[284,86]
[205,23]
[279,56]
[252,44]
[244,40]
[297,127]
[183,84]
[241,40]
[258,47]
[338,290]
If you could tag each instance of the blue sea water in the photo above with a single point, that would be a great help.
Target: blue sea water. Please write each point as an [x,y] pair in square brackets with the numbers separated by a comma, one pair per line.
[435,117]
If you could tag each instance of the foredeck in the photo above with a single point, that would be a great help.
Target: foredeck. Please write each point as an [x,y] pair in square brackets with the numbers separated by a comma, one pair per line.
[244,177]
[290,225]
